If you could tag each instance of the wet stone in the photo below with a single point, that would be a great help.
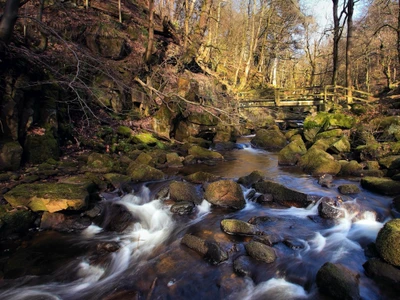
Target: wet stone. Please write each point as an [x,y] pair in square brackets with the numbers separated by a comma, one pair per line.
[108,246]
[238,227]
[327,209]
[293,244]
[265,198]
[182,208]
[348,189]
[243,265]
[261,252]
[325,180]
[383,272]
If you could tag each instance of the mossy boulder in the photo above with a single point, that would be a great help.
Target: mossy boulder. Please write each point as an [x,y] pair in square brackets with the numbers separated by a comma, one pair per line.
[379,185]
[174,160]
[210,250]
[204,154]
[283,195]
[260,251]
[350,168]
[383,272]
[144,158]
[10,156]
[203,118]
[141,172]
[338,281]
[269,139]
[147,139]
[202,177]
[250,179]
[348,189]
[390,162]
[15,221]
[291,153]
[388,242]
[125,131]
[39,148]
[340,146]
[330,133]
[327,120]
[238,227]
[117,180]
[99,163]
[50,197]
[184,191]
[318,162]
[225,193]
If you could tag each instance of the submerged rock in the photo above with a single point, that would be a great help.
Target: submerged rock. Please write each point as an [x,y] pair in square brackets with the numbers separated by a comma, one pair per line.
[201,177]
[338,281]
[210,250]
[384,186]
[348,189]
[250,179]
[261,252]
[225,193]
[237,227]
[243,266]
[388,242]
[50,197]
[383,272]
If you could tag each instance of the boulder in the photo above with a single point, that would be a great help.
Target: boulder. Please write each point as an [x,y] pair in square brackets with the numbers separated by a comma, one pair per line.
[340,146]
[260,251]
[204,154]
[117,180]
[144,159]
[173,160]
[141,172]
[388,242]
[348,189]
[10,156]
[184,191]
[337,281]
[147,139]
[40,147]
[350,168]
[283,195]
[99,163]
[250,179]
[383,272]
[329,133]
[269,139]
[225,193]
[237,227]
[125,131]
[390,162]
[201,177]
[318,162]
[291,153]
[49,197]
[15,221]
[325,180]
[328,209]
[63,223]
[114,217]
[383,186]
[210,250]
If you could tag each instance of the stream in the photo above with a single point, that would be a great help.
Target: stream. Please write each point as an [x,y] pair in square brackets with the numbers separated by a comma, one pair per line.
[151,263]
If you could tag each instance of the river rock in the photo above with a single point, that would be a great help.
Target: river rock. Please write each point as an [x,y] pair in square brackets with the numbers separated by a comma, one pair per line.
[283,195]
[318,162]
[173,160]
[383,272]
[63,223]
[388,242]
[348,189]
[390,162]
[327,209]
[202,177]
[184,191]
[115,217]
[338,281]
[201,153]
[250,179]
[269,139]
[10,156]
[141,172]
[350,168]
[325,180]
[210,250]
[237,227]
[117,180]
[243,265]
[383,186]
[144,158]
[49,197]
[182,208]
[260,251]
[340,146]
[225,193]
[291,153]
[99,163]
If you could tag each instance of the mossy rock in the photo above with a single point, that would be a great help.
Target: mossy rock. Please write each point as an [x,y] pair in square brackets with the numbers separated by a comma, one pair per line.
[318,162]
[15,221]
[147,139]
[358,109]
[385,122]
[270,139]
[204,154]
[50,197]
[260,251]
[383,186]
[340,146]
[199,141]
[117,180]
[5,177]
[144,158]
[99,163]
[184,191]
[10,156]
[238,227]
[141,172]
[390,162]
[225,193]
[162,120]
[291,153]
[87,181]
[125,131]
[203,118]
[324,143]
[348,189]
[388,242]
[39,148]
[202,177]
[330,133]
[173,160]
[338,281]
[250,179]
[291,133]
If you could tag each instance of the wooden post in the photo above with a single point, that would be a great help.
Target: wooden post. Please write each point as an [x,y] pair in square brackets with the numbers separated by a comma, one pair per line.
[277,97]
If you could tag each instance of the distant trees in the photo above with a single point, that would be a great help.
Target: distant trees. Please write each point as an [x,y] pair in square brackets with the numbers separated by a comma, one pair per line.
[8,19]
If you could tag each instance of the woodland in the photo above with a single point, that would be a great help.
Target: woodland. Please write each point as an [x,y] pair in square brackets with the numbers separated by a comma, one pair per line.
[125,99]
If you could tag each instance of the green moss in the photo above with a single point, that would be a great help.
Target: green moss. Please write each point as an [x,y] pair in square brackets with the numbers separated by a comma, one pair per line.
[141,172]
[39,148]
[384,186]
[318,162]
[237,227]
[101,163]
[388,242]
[269,139]
[330,133]
[291,153]
[202,153]
[125,131]
[201,177]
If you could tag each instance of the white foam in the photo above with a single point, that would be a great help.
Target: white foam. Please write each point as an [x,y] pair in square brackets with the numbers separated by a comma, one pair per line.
[204,208]
[91,231]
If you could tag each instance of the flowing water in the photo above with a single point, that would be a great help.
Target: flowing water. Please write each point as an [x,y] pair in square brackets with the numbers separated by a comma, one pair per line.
[150,263]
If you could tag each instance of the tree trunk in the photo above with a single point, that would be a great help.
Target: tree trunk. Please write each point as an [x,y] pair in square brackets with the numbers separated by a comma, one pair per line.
[8,20]
[150,39]
[349,46]
[398,34]
[336,38]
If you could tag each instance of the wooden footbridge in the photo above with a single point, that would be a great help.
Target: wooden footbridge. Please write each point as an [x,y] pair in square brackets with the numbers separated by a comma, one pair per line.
[311,96]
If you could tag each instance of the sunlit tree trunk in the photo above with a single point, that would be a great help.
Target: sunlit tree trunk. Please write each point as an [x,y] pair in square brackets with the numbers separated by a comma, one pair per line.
[119,11]
[349,46]
[336,38]
[150,39]
[8,20]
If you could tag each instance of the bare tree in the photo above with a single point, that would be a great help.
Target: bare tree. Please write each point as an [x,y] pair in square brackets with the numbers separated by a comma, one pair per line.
[8,20]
